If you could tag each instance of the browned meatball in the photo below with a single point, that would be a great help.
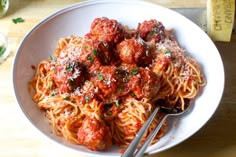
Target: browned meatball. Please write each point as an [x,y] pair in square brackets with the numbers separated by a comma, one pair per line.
[131,51]
[144,83]
[88,56]
[107,55]
[68,76]
[151,30]
[106,80]
[105,52]
[160,64]
[108,30]
[94,134]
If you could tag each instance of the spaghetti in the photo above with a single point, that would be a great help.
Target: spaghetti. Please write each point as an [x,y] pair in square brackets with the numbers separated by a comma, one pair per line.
[99,89]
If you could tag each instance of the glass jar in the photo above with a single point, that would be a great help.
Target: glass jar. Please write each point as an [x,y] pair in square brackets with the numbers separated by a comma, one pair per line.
[4,4]
[4,47]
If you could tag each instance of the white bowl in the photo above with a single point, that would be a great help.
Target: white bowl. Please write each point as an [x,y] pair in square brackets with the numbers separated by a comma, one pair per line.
[41,41]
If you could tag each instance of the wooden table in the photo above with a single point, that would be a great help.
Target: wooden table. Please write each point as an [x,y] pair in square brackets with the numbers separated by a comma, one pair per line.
[18,138]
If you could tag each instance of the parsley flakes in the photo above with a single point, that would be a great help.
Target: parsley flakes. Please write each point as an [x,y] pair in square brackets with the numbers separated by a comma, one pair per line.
[87,98]
[18,20]
[134,71]
[2,50]
[167,53]
[118,104]
[91,58]
[100,77]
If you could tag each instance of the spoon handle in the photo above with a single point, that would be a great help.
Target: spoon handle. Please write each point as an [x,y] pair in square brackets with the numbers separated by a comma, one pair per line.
[149,139]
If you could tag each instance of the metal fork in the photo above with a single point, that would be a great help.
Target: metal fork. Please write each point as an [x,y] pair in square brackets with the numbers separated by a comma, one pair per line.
[131,150]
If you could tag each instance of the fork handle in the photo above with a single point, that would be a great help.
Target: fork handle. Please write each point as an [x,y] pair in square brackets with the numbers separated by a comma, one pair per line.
[133,145]
[150,137]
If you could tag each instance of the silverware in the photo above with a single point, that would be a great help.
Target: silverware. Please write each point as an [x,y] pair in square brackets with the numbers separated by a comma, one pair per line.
[131,150]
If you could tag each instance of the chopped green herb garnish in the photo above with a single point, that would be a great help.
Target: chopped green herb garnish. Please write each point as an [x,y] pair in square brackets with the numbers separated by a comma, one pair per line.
[52,58]
[167,53]
[91,58]
[100,77]
[71,82]
[87,98]
[117,104]
[67,98]
[154,31]
[95,52]
[70,68]
[134,71]
[86,47]
[53,94]
[118,71]
[159,50]
[2,50]
[132,94]
[18,20]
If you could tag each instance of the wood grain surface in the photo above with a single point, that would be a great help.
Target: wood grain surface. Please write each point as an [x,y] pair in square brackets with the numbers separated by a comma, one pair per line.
[18,138]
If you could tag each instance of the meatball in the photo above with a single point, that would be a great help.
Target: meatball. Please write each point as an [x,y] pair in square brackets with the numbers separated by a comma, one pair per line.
[108,30]
[106,54]
[106,80]
[160,64]
[68,76]
[94,134]
[144,83]
[94,54]
[88,55]
[151,30]
[122,73]
[133,51]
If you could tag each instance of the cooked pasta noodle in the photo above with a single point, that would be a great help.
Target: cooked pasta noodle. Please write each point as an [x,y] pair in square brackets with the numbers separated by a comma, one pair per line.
[99,89]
